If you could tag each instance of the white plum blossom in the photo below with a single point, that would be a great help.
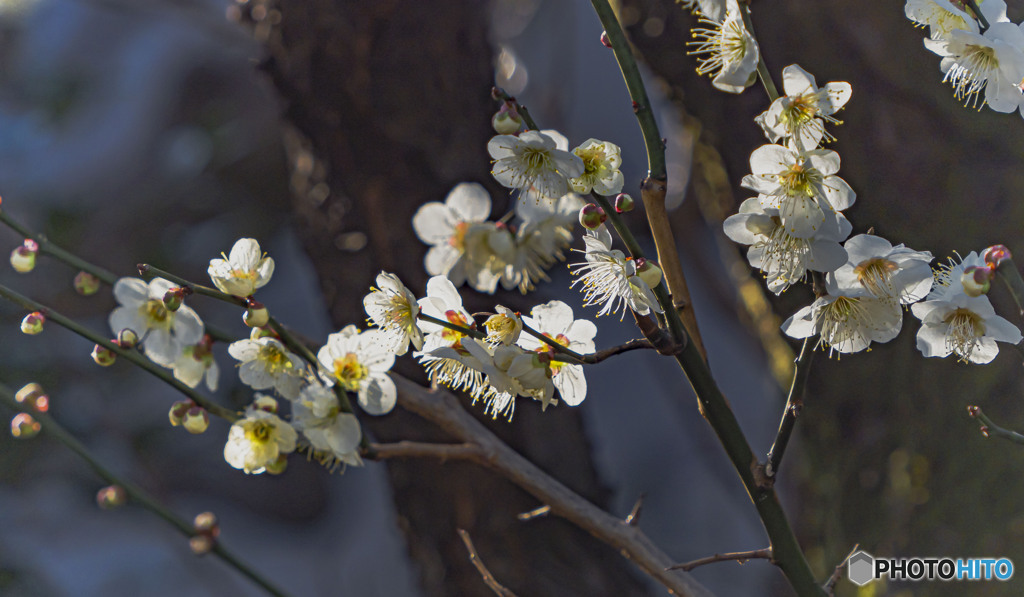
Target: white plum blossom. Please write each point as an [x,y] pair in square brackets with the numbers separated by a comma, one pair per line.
[954,323]
[556,322]
[714,10]
[781,257]
[801,185]
[265,363]
[611,279]
[942,17]
[243,271]
[801,114]
[257,440]
[544,231]
[846,324]
[509,371]
[196,364]
[885,272]
[392,307]
[533,158]
[332,434]
[504,327]
[443,302]
[601,162]
[730,52]
[359,362]
[993,62]
[164,333]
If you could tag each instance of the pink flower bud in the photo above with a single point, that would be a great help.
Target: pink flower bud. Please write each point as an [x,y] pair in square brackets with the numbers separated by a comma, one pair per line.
[976,280]
[111,496]
[103,356]
[507,120]
[86,284]
[604,40]
[206,523]
[178,410]
[624,203]
[32,324]
[23,259]
[201,544]
[649,272]
[127,338]
[173,298]
[995,255]
[23,426]
[195,420]
[32,395]
[256,314]
[592,216]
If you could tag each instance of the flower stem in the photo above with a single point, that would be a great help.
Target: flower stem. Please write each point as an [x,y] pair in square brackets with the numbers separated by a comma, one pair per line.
[130,355]
[990,429]
[452,326]
[47,247]
[136,493]
[762,66]
[564,350]
[500,94]
[982,21]
[794,404]
[1014,283]
[148,272]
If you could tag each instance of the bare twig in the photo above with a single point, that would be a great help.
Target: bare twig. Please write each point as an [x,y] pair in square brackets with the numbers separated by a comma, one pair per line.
[633,518]
[535,513]
[794,404]
[739,556]
[443,409]
[489,579]
[990,429]
[830,584]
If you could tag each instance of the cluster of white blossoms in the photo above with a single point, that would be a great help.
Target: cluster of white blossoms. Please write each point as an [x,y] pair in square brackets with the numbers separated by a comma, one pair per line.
[794,226]
[975,60]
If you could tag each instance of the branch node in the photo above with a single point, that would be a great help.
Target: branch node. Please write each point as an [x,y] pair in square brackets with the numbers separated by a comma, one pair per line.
[535,513]
[634,515]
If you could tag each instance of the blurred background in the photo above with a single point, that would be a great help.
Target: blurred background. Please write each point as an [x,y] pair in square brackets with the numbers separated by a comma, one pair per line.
[161,131]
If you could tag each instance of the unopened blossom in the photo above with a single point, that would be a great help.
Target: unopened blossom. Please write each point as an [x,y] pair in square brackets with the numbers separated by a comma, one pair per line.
[993,62]
[266,363]
[333,434]
[601,162]
[802,112]
[443,302]
[164,333]
[943,17]
[555,321]
[359,362]
[883,271]
[196,364]
[533,158]
[257,440]
[392,307]
[729,53]
[504,326]
[610,279]
[846,324]
[954,323]
[782,258]
[243,271]
[801,185]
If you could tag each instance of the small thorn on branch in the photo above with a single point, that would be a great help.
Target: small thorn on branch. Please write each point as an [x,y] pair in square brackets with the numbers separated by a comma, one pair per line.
[634,515]
[830,585]
[738,556]
[535,513]
[489,579]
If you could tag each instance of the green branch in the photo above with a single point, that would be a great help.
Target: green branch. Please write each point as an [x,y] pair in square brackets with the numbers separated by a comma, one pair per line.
[762,67]
[990,429]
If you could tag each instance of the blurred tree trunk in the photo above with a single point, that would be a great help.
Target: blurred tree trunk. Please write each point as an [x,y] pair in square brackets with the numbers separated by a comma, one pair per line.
[391,102]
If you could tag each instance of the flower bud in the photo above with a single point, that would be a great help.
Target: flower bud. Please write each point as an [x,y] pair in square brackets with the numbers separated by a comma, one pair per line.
[173,298]
[256,314]
[995,255]
[604,40]
[648,271]
[206,523]
[976,280]
[23,426]
[33,323]
[624,203]
[264,402]
[32,395]
[262,332]
[178,410]
[103,356]
[127,338]
[111,496]
[201,544]
[23,259]
[278,466]
[592,216]
[195,420]
[86,284]
[507,120]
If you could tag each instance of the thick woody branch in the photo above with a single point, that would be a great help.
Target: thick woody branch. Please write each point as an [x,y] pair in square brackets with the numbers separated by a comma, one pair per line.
[443,409]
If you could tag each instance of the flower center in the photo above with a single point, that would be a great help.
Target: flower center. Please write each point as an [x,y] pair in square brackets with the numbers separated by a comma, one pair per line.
[875,275]
[799,180]
[349,371]
[536,159]
[274,360]
[723,45]
[841,320]
[454,337]
[458,237]
[965,327]
[259,432]
[156,314]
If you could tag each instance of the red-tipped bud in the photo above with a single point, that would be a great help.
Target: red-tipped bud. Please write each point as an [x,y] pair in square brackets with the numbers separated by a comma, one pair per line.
[196,420]
[206,522]
[111,496]
[648,271]
[23,259]
[604,40]
[995,255]
[178,410]
[127,338]
[32,324]
[103,356]
[624,203]
[173,298]
[32,395]
[86,284]
[972,410]
[592,216]
[201,544]
[23,426]
[507,120]
[256,315]
[976,280]
[984,430]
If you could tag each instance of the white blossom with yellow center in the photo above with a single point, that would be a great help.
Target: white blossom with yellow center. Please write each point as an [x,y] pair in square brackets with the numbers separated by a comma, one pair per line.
[943,17]
[504,326]
[359,362]
[243,271]
[164,333]
[601,162]
[392,307]
[846,324]
[265,363]
[534,158]
[729,53]
[258,440]
[443,302]
[333,435]
[876,268]
[555,320]
[800,115]
[610,279]
[993,62]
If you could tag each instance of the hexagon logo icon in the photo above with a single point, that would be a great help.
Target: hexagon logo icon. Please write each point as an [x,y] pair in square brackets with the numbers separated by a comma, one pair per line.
[860,568]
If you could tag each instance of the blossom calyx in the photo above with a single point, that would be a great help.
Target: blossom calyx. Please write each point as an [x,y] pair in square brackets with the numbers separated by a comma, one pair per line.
[195,420]
[507,120]
[178,410]
[256,315]
[32,324]
[648,271]
[127,338]
[624,203]
[174,297]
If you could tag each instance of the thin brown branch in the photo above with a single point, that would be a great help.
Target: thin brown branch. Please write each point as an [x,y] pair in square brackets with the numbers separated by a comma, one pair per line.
[407,449]
[489,579]
[830,585]
[535,513]
[442,408]
[634,515]
[739,556]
